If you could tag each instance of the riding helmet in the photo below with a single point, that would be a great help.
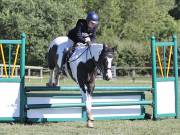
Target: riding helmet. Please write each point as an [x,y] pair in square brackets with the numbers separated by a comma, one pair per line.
[92,16]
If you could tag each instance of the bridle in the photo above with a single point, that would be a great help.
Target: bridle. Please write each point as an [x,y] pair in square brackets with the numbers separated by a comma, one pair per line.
[96,63]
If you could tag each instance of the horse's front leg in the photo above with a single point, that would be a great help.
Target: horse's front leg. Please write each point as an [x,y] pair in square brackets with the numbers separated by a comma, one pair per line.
[89,110]
[87,98]
[90,89]
[89,106]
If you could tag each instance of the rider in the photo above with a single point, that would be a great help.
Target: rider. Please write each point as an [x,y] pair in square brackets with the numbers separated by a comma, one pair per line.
[83,32]
[85,29]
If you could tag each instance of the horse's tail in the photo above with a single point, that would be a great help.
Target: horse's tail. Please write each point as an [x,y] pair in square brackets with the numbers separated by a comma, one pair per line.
[52,57]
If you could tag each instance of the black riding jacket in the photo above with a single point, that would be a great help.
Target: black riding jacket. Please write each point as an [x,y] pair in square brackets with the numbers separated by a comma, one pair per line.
[81,31]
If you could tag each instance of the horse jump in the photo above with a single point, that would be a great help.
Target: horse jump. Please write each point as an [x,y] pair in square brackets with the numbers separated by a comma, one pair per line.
[19,103]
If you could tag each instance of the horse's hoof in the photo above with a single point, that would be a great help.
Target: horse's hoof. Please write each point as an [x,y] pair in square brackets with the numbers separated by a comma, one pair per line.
[54,84]
[90,117]
[90,124]
[51,84]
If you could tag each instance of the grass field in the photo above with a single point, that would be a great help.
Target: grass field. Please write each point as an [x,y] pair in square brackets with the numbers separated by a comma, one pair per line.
[114,127]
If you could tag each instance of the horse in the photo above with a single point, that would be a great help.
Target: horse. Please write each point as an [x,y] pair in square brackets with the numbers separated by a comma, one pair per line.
[82,67]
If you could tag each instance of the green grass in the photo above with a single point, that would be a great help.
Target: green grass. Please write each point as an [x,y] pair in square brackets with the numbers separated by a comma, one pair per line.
[110,127]
[116,127]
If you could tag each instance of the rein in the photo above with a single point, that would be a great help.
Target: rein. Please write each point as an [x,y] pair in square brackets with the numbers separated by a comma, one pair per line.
[78,56]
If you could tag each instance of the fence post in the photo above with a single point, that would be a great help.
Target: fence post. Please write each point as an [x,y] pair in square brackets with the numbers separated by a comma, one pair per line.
[176,75]
[41,74]
[22,76]
[29,74]
[153,55]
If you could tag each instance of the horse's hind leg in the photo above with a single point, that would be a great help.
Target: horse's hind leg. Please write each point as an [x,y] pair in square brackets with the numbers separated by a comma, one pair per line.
[56,75]
[50,78]
[52,62]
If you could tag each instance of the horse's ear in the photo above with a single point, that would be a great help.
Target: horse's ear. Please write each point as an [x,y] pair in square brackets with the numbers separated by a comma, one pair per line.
[114,48]
[105,45]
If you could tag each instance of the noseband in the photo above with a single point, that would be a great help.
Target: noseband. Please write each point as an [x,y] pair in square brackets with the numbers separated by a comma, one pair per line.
[108,68]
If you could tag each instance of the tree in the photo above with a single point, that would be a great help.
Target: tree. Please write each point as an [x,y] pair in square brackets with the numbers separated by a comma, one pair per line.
[120,20]
[175,11]
[146,17]
[40,20]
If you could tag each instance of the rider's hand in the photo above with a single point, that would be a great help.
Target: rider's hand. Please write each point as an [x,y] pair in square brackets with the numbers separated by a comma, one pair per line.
[87,40]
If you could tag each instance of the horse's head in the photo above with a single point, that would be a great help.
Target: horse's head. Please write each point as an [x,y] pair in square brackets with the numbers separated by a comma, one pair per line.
[105,62]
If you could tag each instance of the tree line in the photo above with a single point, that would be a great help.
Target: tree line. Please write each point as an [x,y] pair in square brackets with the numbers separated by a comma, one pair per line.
[127,24]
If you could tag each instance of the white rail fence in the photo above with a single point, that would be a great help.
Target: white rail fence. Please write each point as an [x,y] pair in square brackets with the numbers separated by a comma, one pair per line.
[32,72]
[37,72]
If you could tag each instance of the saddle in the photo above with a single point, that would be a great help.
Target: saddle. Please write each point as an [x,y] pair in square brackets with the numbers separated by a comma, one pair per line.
[67,55]
[69,51]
